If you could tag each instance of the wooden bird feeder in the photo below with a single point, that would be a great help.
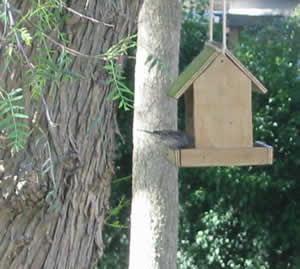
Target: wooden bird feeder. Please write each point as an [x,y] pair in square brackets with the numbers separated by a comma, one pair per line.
[217,91]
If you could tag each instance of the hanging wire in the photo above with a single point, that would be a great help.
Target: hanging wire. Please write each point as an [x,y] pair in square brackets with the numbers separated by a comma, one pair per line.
[224,27]
[211,23]
[211,20]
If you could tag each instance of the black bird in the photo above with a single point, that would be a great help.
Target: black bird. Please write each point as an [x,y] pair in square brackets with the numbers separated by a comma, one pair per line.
[173,139]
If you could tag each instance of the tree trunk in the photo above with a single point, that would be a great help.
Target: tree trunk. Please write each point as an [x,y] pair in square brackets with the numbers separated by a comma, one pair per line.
[154,215]
[46,228]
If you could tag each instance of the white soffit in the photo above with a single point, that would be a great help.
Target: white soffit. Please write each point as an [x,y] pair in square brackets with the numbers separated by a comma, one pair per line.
[257,11]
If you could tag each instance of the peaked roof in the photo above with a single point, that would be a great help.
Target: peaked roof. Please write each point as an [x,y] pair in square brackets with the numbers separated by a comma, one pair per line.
[210,52]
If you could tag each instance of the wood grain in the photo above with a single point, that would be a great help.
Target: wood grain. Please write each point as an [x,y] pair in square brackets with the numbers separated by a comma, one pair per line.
[221,157]
[222,107]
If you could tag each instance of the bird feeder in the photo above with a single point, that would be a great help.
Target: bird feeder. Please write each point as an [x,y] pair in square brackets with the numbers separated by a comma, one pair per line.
[217,91]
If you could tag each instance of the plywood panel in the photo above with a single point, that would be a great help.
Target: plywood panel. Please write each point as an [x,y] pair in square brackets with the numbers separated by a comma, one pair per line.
[257,86]
[221,157]
[222,102]
[189,110]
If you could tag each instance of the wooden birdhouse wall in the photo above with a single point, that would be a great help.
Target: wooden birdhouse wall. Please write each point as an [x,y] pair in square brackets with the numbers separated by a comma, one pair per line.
[222,107]
[189,111]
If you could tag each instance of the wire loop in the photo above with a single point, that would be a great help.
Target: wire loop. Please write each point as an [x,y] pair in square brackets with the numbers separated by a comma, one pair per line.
[211,23]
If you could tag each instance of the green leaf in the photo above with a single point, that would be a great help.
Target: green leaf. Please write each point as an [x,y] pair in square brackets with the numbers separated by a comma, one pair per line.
[129,100]
[16,143]
[45,74]
[121,103]
[108,67]
[5,121]
[71,74]
[17,134]
[10,126]
[46,170]
[4,102]
[120,83]
[16,146]
[15,91]
[17,107]
[6,110]
[22,125]
[15,98]
[19,115]
[116,97]
[127,90]
[111,80]
[3,106]
[112,93]
[119,77]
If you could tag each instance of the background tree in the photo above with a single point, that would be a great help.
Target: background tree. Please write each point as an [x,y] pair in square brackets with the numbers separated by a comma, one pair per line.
[154,212]
[58,127]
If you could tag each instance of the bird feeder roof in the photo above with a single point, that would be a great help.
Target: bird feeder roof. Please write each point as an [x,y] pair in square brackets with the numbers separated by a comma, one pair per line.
[199,65]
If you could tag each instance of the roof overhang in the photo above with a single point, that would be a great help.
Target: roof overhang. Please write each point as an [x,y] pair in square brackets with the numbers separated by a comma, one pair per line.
[195,69]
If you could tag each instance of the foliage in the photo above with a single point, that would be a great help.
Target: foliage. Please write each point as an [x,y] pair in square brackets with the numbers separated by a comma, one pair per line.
[278,67]
[42,68]
[25,36]
[120,90]
[193,33]
[224,235]
[42,27]
[48,67]
[12,118]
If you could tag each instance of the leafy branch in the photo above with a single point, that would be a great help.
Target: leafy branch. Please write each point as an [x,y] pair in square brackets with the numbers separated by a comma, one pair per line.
[119,91]
[115,212]
[25,36]
[121,48]
[114,67]
[11,118]
[48,168]
[43,69]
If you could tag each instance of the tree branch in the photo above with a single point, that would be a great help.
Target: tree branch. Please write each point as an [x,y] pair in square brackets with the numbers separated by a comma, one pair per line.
[87,17]
[30,65]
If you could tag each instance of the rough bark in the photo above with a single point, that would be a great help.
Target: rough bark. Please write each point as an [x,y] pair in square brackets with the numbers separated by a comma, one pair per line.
[43,231]
[154,215]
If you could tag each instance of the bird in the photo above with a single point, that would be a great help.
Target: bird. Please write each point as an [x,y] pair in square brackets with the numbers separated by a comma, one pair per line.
[174,139]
